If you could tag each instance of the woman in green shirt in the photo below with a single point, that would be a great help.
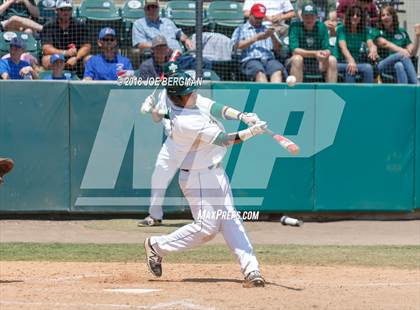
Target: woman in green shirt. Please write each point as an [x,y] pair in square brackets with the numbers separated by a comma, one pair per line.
[396,48]
[351,45]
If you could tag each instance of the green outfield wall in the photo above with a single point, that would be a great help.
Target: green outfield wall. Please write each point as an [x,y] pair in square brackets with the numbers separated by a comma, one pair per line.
[83,147]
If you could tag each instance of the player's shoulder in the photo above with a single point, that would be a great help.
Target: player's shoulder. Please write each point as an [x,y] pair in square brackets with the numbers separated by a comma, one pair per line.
[204,101]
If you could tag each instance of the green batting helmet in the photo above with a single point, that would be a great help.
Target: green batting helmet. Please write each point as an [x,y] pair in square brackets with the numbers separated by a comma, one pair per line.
[170,68]
[180,84]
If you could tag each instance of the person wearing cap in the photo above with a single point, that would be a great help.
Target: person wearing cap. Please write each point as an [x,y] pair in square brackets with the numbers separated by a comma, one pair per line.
[19,15]
[310,47]
[153,67]
[257,41]
[57,65]
[150,26]
[197,144]
[13,68]
[67,36]
[109,64]
[278,12]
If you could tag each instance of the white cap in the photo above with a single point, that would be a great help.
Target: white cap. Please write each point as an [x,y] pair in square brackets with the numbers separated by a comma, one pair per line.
[64,4]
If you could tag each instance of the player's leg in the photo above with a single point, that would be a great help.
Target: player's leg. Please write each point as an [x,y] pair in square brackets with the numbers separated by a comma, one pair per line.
[164,171]
[237,239]
[203,229]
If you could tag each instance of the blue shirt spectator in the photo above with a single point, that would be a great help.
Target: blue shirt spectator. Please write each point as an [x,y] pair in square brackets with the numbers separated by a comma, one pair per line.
[109,63]
[14,68]
[57,65]
[256,42]
[150,26]
[260,49]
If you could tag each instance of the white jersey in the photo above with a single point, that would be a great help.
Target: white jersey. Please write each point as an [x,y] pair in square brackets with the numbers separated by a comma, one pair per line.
[193,133]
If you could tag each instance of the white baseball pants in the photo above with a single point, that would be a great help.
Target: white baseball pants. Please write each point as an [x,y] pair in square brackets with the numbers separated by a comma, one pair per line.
[164,171]
[208,191]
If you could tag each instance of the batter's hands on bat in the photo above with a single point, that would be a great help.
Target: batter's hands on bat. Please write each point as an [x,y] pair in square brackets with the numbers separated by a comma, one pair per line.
[258,128]
[250,119]
[148,104]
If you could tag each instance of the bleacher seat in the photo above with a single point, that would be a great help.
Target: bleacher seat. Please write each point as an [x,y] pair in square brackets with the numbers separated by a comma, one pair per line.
[182,13]
[99,14]
[130,12]
[32,45]
[99,10]
[225,16]
[46,11]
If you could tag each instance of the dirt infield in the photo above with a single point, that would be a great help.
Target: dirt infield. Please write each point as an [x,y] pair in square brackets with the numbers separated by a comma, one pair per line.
[71,285]
[32,285]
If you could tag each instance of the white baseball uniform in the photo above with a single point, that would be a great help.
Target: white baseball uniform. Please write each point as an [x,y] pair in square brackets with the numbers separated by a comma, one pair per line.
[166,166]
[205,186]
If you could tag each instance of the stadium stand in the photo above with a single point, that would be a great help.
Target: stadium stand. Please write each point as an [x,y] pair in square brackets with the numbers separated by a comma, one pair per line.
[225,16]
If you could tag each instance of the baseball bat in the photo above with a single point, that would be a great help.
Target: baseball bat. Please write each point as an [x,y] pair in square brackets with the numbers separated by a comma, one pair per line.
[285,143]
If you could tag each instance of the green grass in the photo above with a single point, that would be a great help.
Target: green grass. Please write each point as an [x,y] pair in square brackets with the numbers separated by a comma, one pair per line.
[404,257]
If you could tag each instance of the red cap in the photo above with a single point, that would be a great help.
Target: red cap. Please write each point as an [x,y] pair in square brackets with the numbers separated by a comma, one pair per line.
[258,10]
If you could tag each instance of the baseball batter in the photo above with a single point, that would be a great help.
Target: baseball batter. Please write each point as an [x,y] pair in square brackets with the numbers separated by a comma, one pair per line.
[198,144]
[166,166]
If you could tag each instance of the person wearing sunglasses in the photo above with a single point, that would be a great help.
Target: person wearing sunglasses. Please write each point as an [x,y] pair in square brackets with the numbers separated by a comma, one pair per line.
[152,25]
[109,64]
[351,47]
[65,35]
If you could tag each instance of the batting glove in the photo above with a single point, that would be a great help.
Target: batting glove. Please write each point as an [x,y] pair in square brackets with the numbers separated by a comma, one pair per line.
[147,105]
[258,128]
[250,118]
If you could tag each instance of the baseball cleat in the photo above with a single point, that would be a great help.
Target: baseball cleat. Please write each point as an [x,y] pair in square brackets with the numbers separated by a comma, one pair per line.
[149,221]
[153,260]
[254,279]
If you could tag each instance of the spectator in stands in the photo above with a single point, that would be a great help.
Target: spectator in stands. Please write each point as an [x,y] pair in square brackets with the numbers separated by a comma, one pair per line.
[109,64]
[257,41]
[57,65]
[396,48]
[153,67]
[368,6]
[278,12]
[19,15]
[309,44]
[66,36]
[148,27]
[351,46]
[14,68]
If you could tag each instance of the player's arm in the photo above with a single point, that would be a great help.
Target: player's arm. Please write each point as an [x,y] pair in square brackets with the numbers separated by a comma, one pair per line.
[227,139]
[228,113]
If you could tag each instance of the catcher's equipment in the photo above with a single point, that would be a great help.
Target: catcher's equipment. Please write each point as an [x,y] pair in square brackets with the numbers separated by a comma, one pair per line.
[6,164]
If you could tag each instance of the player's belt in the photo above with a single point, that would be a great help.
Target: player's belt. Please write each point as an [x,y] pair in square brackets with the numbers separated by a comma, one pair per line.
[209,167]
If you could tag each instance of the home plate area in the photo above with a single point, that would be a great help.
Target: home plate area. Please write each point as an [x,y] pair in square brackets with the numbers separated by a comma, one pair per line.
[62,285]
